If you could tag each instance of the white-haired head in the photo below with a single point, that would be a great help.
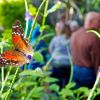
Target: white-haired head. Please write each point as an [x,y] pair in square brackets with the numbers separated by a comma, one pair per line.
[92,20]
[73,25]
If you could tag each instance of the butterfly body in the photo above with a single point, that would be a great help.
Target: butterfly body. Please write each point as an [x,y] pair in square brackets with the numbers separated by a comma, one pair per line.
[22,48]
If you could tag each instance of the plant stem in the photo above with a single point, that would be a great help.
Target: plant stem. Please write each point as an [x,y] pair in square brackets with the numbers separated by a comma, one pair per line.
[44,16]
[14,78]
[71,69]
[94,87]
[34,22]
[10,68]
[2,69]
[45,11]
[95,32]
[46,67]
[26,29]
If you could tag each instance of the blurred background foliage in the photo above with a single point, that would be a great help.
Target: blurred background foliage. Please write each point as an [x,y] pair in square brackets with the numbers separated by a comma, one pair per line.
[15,9]
[10,10]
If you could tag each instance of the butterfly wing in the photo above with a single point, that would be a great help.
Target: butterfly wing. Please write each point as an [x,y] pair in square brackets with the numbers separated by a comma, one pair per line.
[18,39]
[13,57]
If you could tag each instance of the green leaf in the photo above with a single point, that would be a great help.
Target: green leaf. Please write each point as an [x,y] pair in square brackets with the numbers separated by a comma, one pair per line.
[32,10]
[71,85]
[6,39]
[82,90]
[4,43]
[10,77]
[35,73]
[54,8]
[3,95]
[38,57]
[66,93]
[50,79]
[46,73]
[35,92]
[47,35]
[25,84]
[44,27]
[98,91]
[7,35]
[54,87]
[85,94]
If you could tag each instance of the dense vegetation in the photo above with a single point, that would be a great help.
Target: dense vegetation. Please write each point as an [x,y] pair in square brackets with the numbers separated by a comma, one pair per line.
[37,84]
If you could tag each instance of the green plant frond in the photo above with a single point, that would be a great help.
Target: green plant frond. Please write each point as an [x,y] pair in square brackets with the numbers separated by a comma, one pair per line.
[95,32]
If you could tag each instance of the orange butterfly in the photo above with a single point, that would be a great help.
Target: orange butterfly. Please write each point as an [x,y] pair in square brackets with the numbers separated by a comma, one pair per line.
[22,48]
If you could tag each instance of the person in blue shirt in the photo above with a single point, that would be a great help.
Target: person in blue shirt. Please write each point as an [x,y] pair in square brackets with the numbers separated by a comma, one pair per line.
[59,49]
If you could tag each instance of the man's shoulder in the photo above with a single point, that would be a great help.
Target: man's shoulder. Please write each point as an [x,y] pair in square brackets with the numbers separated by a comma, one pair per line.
[79,31]
[84,35]
[82,32]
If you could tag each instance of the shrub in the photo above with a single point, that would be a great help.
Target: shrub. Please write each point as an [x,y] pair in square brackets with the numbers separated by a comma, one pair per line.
[11,10]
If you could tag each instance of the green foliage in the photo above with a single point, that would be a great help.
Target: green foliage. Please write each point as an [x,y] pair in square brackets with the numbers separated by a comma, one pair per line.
[38,57]
[67,91]
[54,87]
[5,40]
[10,11]
[35,73]
[7,35]
[34,84]
[32,10]
[95,4]
[50,80]
[30,85]
[82,92]
[57,6]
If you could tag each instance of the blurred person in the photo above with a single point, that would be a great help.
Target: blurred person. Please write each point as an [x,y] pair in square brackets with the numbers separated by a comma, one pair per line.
[60,50]
[60,23]
[74,26]
[85,50]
